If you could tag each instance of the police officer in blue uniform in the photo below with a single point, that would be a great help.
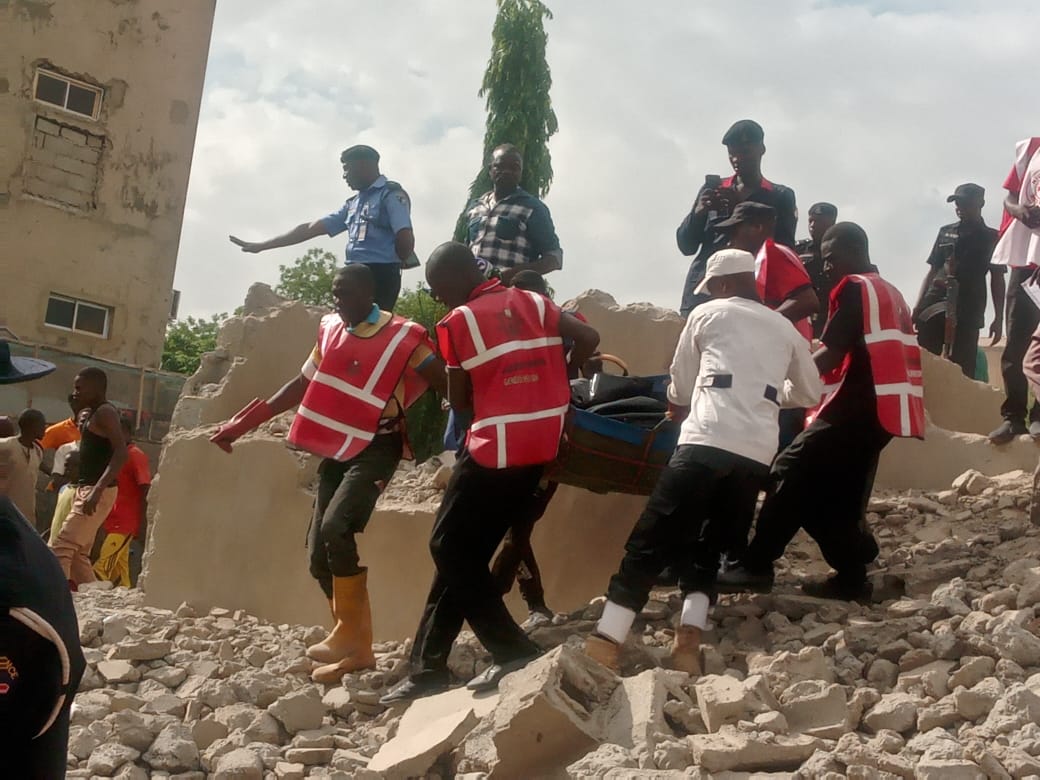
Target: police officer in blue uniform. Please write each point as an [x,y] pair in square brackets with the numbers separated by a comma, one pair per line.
[377,221]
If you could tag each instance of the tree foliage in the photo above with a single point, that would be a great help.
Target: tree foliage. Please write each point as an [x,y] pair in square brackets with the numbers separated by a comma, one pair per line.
[426,419]
[516,92]
[187,340]
[309,278]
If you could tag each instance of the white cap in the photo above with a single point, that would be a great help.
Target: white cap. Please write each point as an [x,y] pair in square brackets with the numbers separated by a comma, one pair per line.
[726,262]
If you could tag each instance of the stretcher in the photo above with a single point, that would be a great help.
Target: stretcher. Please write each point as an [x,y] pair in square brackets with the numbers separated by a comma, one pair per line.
[617,438]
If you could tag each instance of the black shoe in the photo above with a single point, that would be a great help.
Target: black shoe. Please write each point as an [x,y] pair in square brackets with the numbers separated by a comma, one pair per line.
[409,689]
[739,579]
[1034,430]
[1007,431]
[489,679]
[839,590]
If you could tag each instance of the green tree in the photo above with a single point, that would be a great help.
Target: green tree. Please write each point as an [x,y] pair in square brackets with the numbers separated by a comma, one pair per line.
[516,92]
[187,340]
[308,278]
[426,419]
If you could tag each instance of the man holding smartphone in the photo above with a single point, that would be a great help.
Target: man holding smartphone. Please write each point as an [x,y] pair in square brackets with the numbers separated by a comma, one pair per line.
[698,236]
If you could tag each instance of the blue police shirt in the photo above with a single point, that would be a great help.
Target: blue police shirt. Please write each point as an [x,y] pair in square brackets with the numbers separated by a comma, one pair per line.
[371,220]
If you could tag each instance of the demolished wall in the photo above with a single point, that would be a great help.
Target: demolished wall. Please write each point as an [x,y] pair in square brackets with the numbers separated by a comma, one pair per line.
[231,530]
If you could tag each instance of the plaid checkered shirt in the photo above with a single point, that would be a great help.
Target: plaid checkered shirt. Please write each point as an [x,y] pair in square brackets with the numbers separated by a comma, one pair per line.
[511,232]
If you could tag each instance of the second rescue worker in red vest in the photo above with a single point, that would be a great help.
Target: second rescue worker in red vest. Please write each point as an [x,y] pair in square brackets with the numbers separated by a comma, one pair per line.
[366,369]
[871,368]
[503,349]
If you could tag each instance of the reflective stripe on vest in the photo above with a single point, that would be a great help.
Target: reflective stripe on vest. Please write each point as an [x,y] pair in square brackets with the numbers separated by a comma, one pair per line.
[508,340]
[895,358]
[356,379]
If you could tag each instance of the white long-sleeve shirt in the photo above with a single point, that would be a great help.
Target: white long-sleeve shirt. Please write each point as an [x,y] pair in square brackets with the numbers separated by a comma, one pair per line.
[736,364]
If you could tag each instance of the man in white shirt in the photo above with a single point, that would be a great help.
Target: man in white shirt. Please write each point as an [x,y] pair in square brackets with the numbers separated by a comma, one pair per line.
[736,364]
[20,458]
[1019,249]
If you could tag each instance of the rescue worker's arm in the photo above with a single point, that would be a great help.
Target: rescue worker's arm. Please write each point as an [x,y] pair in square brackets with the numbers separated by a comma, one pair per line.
[404,243]
[584,337]
[998,290]
[690,233]
[302,232]
[1027,215]
[434,372]
[460,389]
[257,412]
[106,421]
[843,331]
[686,366]
[803,388]
[804,303]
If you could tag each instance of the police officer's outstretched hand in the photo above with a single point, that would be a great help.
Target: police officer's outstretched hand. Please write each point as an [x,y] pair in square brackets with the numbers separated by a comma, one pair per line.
[247,246]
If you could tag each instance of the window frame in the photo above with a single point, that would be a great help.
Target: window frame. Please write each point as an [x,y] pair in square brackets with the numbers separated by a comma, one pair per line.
[75,316]
[99,93]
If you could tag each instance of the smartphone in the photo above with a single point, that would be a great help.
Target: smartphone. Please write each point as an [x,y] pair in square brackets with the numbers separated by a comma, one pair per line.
[712,182]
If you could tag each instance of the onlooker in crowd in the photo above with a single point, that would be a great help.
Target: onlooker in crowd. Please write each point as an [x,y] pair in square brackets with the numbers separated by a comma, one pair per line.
[697,235]
[60,468]
[377,222]
[102,454]
[20,458]
[822,217]
[65,431]
[736,363]
[367,367]
[63,504]
[871,368]
[1019,249]
[39,637]
[509,227]
[498,343]
[128,520]
[962,252]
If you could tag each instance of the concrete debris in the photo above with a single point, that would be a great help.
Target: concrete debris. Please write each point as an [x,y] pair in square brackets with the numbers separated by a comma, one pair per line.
[943,682]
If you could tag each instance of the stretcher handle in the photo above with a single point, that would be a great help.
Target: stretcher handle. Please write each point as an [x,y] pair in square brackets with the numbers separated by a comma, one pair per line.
[613,359]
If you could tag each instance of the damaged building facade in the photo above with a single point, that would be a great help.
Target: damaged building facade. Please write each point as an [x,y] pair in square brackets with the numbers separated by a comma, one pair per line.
[99,104]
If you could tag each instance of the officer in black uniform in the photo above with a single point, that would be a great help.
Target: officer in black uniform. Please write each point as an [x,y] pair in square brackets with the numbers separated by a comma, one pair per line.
[822,217]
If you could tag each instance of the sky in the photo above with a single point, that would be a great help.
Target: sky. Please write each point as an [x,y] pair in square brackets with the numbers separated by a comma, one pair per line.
[879,106]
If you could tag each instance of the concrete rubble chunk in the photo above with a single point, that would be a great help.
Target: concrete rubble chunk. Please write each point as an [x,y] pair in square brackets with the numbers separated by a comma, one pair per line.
[549,714]
[299,710]
[976,702]
[948,769]
[240,763]
[140,650]
[972,669]
[895,711]
[971,483]
[106,759]
[412,754]
[721,700]
[820,713]
[174,750]
[636,718]
[731,750]
[118,672]
[602,761]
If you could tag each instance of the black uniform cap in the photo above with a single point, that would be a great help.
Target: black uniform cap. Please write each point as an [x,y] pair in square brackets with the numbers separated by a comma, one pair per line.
[823,209]
[746,131]
[359,152]
[968,192]
[747,211]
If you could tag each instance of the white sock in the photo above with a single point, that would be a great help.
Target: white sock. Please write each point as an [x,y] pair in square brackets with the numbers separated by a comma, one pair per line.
[695,610]
[616,622]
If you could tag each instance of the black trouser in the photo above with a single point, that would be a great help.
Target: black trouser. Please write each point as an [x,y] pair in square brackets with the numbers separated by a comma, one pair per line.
[516,559]
[822,483]
[931,335]
[1022,319]
[347,494]
[791,422]
[387,277]
[703,501]
[480,504]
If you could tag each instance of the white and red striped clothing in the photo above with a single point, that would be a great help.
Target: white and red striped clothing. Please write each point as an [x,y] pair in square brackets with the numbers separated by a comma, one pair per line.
[508,341]
[355,381]
[894,357]
[780,274]
[1018,245]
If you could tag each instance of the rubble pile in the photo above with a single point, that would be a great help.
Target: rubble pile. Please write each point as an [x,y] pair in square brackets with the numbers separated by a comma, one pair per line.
[938,678]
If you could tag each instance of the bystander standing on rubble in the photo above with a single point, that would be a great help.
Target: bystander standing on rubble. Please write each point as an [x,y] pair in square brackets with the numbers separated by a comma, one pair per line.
[822,217]
[509,227]
[955,285]
[735,365]
[20,458]
[1019,249]
[377,222]
[504,351]
[717,197]
[102,455]
[367,367]
[871,367]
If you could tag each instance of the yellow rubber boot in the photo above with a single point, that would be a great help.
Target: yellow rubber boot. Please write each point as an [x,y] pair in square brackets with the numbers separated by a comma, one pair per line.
[354,613]
[338,643]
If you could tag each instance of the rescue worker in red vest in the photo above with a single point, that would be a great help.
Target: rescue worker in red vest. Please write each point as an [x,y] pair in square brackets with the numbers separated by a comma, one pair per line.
[871,366]
[503,349]
[367,367]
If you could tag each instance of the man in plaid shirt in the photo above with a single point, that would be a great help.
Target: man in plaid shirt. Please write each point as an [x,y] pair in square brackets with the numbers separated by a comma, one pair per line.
[509,227]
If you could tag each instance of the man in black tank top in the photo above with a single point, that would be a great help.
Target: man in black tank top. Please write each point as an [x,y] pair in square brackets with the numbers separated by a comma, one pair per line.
[102,452]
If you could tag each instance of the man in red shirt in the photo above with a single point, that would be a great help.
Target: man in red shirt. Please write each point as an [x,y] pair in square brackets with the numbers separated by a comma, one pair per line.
[127,521]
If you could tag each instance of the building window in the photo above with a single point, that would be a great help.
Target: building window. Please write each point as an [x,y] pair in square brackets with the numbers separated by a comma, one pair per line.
[77,316]
[76,97]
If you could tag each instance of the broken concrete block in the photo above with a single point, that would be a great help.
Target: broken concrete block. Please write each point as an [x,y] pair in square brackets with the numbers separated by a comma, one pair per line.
[895,711]
[971,483]
[721,700]
[413,753]
[636,719]
[731,750]
[948,769]
[549,714]
[601,761]
[783,669]
[118,671]
[976,702]
[821,713]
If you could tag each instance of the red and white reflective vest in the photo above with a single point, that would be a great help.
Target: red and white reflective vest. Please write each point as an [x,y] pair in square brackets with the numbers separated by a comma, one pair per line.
[355,380]
[895,358]
[508,341]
